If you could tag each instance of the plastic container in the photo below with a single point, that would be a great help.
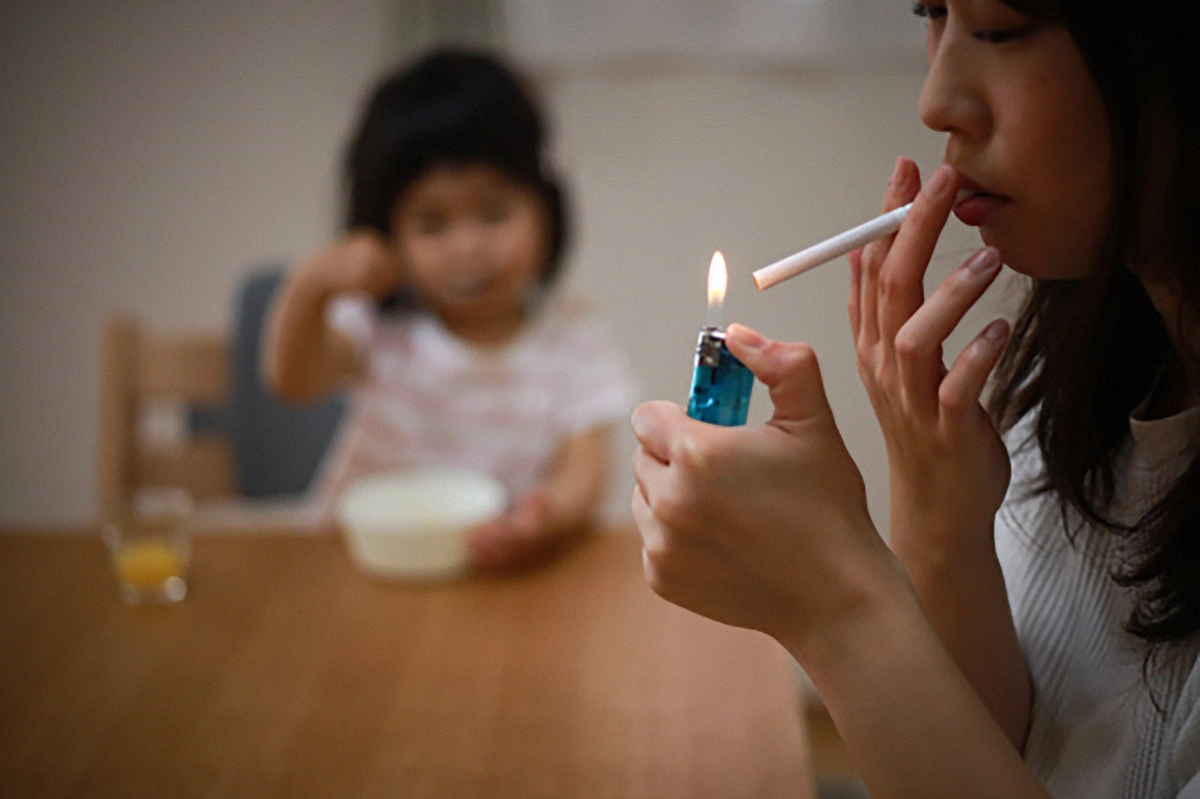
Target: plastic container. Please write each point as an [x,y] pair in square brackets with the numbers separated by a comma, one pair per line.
[412,524]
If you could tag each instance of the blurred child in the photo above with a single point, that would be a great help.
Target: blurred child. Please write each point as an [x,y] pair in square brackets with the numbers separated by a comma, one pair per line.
[436,307]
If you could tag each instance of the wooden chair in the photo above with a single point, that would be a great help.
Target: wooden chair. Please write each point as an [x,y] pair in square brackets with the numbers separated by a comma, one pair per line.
[139,369]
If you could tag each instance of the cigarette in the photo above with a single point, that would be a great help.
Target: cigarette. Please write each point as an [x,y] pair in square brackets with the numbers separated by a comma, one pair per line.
[829,249]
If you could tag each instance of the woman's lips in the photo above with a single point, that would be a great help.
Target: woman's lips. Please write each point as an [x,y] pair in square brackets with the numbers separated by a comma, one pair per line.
[975,207]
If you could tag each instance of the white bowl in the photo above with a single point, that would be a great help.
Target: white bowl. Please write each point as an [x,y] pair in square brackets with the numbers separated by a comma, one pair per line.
[412,524]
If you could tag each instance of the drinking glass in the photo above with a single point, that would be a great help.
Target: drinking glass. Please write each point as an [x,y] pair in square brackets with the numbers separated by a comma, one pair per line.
[150,546]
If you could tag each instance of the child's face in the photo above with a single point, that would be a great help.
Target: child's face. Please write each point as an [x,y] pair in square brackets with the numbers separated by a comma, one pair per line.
[1027,132]
[474,240]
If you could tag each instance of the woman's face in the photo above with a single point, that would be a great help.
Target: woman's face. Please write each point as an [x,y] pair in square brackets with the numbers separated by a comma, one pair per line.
[474,240]
[1027,132]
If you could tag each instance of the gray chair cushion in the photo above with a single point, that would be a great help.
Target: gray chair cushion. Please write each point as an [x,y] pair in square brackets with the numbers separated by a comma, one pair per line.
[277,446]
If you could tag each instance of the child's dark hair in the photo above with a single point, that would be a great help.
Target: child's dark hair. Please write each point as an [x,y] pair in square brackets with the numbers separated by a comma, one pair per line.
[1085,352]
[457,108]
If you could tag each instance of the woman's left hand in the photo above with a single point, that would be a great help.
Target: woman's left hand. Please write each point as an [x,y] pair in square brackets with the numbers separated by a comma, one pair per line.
[765,526]
[948,465]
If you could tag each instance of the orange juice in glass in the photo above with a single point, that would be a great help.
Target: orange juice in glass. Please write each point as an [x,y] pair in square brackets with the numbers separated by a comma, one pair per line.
[150,547]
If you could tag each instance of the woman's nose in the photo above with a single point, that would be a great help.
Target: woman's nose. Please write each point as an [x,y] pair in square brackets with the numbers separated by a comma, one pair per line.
[953,100]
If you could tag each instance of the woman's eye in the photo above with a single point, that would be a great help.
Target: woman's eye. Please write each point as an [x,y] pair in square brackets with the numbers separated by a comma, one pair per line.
[934,13]
[927,11]
[1002,36]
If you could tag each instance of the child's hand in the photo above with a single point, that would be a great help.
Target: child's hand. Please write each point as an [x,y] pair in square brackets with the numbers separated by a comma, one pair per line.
[361,261]
[303,357]
[519,538]
[949,467]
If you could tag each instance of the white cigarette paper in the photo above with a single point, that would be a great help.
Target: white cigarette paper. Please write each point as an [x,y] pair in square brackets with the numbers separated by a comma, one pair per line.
[829,249]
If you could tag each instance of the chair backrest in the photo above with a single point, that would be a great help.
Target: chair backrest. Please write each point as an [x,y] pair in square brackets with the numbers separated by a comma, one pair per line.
[278,446]
[140,369]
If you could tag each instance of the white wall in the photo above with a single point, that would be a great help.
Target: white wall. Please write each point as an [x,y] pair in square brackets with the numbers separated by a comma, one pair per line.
[152,152]
[149,153]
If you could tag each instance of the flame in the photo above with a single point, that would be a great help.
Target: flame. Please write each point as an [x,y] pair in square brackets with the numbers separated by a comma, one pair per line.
[718,279]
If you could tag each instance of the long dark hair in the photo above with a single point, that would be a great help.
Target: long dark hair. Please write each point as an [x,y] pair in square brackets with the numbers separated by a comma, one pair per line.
[450,107]
[1085,352]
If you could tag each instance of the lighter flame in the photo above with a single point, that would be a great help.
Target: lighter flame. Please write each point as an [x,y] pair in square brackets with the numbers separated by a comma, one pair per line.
[718,279]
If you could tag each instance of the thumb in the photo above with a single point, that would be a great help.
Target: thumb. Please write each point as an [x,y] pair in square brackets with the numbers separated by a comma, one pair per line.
[788,370]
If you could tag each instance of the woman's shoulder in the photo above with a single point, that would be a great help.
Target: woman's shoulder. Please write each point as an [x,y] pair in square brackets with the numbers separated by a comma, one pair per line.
[1025,458]
[1030,514]
[1022,444]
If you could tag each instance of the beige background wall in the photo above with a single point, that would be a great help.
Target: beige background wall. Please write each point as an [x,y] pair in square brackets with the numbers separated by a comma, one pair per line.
[152,152]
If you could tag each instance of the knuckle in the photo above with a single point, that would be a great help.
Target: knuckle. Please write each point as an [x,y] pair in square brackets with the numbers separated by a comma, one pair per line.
[864,353]
[801,357]
[951,400]
[880,376]
[656,566]
[866,373]
[872,257]
[921,213]
[684,452]
[652,572]
[796,360]
[890,283]
[694,454]
[656,549]
[671,506]
[907,345]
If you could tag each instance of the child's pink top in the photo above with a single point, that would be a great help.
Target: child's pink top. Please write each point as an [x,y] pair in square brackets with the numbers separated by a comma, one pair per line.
[430,399]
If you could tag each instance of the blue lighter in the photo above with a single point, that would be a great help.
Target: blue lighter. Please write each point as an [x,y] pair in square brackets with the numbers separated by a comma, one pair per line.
[721,383]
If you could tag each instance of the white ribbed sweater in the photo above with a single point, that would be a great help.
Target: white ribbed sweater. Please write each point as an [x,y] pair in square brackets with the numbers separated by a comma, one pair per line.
[1095,731]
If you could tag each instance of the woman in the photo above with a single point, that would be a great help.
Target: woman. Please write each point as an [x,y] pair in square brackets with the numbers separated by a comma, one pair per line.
[1063,628]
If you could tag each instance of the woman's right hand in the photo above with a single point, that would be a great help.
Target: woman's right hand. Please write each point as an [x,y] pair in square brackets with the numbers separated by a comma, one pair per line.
[766,526]
[763,526]
[949,468]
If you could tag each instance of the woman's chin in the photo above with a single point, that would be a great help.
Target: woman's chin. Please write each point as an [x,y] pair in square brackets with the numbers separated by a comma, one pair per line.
[1032,261]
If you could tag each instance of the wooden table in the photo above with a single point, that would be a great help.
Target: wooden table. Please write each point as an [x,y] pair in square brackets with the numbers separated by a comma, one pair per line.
[285,672]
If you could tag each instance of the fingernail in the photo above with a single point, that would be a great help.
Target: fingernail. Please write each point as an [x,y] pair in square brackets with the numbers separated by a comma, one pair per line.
[995,331]
[895,173]
[984,262]
[636,423]
[941,183]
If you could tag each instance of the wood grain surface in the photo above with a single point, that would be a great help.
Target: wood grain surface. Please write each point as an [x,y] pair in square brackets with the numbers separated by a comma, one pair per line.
[287,673]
